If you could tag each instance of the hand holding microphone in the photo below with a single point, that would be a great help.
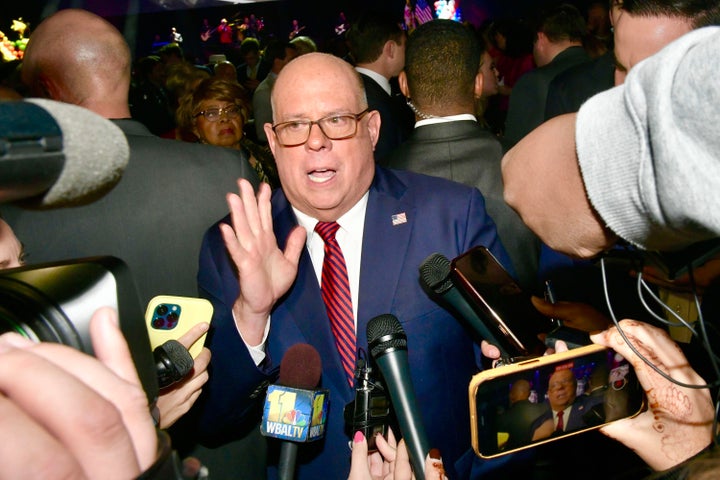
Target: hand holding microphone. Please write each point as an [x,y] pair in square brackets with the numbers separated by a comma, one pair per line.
[390,461]
[388,346]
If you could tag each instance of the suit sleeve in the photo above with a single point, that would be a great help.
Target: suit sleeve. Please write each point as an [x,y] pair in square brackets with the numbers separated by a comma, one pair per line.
[481,230]
[232,398]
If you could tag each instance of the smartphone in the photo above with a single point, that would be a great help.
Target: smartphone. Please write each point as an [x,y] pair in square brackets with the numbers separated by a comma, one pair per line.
[500,302]
[511,407]
[169,317]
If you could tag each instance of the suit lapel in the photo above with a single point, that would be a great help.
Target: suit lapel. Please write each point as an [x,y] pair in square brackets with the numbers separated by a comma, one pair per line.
[389,220]
[303,306]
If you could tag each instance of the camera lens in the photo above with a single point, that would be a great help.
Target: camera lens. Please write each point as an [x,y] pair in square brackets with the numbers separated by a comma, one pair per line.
[162,309]
[172,319]
[23,310]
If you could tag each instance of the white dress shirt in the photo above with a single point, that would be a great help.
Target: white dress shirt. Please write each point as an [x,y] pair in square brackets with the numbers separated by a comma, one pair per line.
[349,237]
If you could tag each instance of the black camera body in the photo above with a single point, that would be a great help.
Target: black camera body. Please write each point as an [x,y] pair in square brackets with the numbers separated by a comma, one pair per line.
[54,302]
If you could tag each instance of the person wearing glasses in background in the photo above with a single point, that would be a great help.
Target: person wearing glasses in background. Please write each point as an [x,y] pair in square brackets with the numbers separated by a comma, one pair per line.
[215,113]
[262,266]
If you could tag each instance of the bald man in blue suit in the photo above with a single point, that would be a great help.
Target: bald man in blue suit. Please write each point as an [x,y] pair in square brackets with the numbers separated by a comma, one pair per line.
[260,267]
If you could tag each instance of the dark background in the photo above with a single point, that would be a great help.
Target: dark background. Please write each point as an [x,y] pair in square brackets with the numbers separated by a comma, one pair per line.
[141,20]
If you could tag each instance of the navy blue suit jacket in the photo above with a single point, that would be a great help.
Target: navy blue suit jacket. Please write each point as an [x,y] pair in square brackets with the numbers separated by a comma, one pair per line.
[442,216]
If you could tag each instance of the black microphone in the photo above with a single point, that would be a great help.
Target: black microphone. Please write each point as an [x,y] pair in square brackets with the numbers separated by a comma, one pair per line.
[295,411]
[388,346]
[435,275]
[54,154]
[172,362]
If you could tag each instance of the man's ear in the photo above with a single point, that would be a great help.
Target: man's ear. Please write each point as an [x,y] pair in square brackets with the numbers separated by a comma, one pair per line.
[390,49]
[479,81]
[270,135]
[541,39]
[402,83]
[374,126]
[45,87]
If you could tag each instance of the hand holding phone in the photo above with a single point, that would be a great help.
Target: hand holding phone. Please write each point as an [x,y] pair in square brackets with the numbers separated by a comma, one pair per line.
[173,318]
[514,407]
[679,423]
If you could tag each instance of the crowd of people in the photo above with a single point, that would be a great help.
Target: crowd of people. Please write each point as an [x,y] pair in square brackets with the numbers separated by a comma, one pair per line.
[402,144]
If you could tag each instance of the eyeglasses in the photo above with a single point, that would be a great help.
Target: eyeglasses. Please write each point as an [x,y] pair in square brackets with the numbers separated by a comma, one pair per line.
[214,114]
[560,384]
[335,127]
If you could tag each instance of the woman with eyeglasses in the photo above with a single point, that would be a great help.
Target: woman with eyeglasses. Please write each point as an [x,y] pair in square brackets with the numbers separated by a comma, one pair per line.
[215,112]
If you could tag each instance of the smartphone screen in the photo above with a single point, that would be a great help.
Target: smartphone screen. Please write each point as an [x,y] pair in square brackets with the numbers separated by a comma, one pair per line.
[518,406]
[500,302]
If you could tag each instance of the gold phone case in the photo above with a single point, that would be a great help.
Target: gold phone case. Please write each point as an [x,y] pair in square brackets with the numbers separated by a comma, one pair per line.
[489,391]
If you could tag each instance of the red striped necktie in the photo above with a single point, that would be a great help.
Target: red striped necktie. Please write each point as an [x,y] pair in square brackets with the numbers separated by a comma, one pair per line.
[335,289]
[560,423]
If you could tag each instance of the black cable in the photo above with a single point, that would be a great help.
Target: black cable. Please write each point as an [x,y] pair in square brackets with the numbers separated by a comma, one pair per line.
[632,347]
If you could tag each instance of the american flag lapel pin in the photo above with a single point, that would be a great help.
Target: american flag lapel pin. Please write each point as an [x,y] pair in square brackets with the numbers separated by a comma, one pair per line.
[399,219]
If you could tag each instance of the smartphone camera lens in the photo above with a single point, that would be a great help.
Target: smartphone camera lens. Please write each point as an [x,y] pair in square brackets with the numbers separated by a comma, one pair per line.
[162,309]
[158,322]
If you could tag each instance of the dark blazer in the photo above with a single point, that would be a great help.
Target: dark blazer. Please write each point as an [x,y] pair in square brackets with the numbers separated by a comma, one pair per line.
[464,152]
[441,217]
[569,90]
[263,70]
[582,405]
[527,100]
[518,422]
[396,118]
[153,219]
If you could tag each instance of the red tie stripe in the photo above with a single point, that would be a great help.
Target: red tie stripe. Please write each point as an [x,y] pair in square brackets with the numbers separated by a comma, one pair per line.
[560,424]
[335,289]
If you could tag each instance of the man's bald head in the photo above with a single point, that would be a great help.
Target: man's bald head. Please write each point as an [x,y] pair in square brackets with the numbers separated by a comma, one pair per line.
[520,390]
[77,57]
[307,67]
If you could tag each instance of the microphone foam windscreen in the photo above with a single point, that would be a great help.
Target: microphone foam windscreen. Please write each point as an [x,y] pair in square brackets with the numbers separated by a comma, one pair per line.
[383,326]
[300,367]
[179,356]
[435,273]
[96,154]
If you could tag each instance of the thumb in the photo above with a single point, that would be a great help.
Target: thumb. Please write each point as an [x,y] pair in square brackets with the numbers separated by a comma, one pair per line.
[543,306]
[295,244]
[359,469]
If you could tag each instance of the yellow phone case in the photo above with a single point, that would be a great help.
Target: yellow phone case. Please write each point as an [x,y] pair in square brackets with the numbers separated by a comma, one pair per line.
[169,317]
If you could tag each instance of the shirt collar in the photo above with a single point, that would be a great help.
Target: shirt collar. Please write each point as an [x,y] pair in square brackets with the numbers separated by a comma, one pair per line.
[450,118]
[351,221]
[379,79]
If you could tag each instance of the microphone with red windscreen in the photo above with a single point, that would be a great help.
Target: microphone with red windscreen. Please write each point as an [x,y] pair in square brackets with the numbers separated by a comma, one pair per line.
[295,411]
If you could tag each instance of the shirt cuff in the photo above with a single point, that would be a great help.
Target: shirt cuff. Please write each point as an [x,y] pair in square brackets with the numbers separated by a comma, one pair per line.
[257,352]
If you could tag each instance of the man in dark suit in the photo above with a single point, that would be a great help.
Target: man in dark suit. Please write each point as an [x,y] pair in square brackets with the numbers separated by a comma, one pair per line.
[566,410]
[155,217]
[377,46]
[267,299]
[640,29]
[557,47]
[252,68]
[442,78]
[519,418]
[571,88]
